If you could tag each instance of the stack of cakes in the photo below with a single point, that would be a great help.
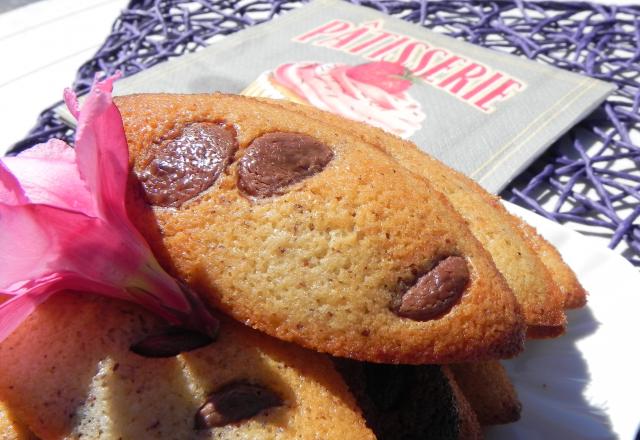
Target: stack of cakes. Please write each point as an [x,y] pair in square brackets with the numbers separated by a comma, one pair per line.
[364,289]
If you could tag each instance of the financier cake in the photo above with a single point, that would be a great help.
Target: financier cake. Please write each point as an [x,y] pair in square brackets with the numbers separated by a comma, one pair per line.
[314,236]
[489,391]
[543,284]
[126,376]
[94,368]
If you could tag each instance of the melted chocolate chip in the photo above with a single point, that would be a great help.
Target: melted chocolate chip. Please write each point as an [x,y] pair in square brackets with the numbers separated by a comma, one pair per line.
[435,293]
[234,402]
[170,343]
[276,160]
[188,164]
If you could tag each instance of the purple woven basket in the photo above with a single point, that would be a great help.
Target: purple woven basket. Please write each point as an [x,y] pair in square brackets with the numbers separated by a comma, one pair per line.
[595,186]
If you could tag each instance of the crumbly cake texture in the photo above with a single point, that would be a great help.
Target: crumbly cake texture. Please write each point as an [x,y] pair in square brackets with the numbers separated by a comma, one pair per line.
[319,264]
[11,428]
[67,372]
[489,391]
[407,402]
[542,282]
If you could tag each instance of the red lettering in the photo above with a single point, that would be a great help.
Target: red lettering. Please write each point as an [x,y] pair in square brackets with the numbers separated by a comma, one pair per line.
[426,59]
[408,51]
[470,94]
[443,66]
[332,27]
[500,91]
[461,78]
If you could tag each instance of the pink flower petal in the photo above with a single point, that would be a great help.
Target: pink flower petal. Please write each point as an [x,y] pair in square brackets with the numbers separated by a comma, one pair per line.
[11,193]
[44,239]
[51,249]
[102,151]
[33,293]
[22,303]
[71,100]
[16,310]
[25,245]
[48,175]
[60,281]
[52,149]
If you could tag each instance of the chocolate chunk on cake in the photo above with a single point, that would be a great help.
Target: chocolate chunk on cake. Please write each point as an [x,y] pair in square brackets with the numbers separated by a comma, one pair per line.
[187,163]
[274,161]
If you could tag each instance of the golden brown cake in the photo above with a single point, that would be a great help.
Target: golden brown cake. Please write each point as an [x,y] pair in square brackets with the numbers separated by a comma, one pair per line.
[574,294]
[539,278]
[11,428]
[311,235]
[69,372]
[469,427]
[489,391]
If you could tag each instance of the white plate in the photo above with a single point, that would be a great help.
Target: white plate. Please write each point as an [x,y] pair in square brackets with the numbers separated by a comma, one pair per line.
[583,385]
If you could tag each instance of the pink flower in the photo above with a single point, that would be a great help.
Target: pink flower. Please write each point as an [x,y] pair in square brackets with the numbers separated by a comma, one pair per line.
[64,225]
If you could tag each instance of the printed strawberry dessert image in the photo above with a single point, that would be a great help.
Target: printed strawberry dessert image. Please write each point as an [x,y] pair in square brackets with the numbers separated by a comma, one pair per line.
[375,93]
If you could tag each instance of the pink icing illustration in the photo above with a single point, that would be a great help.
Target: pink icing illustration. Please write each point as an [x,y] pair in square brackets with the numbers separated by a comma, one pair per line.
[388,76]
[375,93]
